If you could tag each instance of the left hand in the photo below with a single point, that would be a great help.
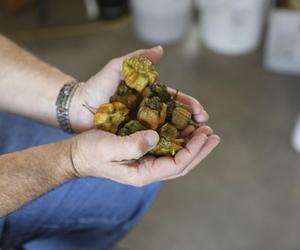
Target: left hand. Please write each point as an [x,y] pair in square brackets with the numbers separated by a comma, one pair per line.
[99,88]
[122,158]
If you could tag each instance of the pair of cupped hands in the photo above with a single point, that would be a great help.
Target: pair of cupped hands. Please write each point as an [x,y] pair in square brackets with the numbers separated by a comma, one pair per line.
[122,159]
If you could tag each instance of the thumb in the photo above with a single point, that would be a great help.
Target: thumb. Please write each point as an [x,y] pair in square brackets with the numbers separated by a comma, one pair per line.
[135,145]
[154,54]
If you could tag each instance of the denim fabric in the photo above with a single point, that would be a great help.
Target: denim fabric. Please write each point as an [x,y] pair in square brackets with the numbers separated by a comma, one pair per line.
[1,226]
[86,213]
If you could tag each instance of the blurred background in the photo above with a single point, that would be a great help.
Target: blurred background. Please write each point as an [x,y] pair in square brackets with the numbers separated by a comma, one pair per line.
[241,59]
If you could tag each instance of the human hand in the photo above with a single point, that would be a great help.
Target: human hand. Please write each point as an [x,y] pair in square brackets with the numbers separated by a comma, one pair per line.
[98,89]
[101,154]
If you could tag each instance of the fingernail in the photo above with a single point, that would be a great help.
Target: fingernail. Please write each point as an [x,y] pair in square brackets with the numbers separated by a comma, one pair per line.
[152,138]
[205,113]
[159,47]
[217,138]
[208,129]
[203,116]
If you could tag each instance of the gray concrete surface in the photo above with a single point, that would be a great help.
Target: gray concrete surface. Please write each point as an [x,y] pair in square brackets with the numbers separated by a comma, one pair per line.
[246,195]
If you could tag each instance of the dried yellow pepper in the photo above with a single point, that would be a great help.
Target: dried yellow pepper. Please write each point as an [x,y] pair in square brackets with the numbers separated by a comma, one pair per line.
[169,143]
[139,72]
[110,115]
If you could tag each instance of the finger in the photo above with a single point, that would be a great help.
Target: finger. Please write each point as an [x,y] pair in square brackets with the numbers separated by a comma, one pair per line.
[200,115]
[133,146]
[153,169]
[186,155]
[209,146]
[188,131]
[153,54]
[202,130]
[206,130]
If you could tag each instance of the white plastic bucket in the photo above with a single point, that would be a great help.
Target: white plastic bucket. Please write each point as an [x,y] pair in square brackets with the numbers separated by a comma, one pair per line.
[232,26]
[161,21]
[295,140]
[282,50]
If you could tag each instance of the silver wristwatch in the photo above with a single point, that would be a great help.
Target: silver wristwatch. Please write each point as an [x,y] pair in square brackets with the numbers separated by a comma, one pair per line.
[63,104]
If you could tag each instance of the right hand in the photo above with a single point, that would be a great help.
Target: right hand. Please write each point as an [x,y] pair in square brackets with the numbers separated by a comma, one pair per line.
[99,88]
[102,154]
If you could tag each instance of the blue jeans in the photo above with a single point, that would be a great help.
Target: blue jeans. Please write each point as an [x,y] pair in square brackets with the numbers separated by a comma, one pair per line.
[86,213]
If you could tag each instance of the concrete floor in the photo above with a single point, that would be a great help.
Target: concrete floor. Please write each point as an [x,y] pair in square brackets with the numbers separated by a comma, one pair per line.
[246,195]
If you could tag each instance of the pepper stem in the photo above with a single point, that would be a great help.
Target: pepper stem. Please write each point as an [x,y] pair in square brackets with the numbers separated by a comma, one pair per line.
[89,108]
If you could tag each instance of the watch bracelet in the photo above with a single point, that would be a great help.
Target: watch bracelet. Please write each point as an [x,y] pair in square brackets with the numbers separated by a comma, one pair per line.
[63,103]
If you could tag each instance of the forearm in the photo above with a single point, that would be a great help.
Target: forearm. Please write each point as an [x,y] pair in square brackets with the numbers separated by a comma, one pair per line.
[28,86]
[27,174]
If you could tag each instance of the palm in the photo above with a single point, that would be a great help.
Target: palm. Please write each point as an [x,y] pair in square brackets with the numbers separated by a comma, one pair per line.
[96,91]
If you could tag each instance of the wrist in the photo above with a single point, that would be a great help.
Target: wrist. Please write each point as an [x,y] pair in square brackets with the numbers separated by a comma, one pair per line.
[76,159]
[53,82]
[60,168]
[68,149]
[63,105]
[80,118]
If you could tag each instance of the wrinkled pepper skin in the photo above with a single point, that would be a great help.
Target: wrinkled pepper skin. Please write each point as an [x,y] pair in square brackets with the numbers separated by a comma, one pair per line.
[180,115]
[158,90]
[152,113]
[167,147]
[125,95]
[110,115]
[168,131]
[139,72]
[169,142]
[131,127]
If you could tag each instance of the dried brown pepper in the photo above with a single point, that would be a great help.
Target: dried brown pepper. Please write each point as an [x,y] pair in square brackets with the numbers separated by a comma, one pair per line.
[139,72]
[168,131]
[180,115]
[167,147]
[152,112]
[169,143]
[110,115]
[125,95]
[159,90]
[130,128]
